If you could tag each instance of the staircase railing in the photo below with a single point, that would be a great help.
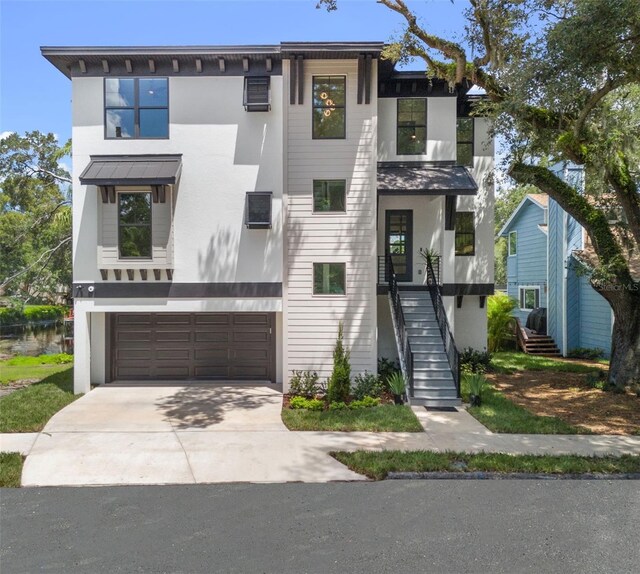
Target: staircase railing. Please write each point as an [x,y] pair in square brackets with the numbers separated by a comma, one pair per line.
[399,323]
[441,316]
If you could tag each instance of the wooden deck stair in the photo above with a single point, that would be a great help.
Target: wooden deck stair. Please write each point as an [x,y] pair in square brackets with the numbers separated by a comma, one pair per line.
[536,344]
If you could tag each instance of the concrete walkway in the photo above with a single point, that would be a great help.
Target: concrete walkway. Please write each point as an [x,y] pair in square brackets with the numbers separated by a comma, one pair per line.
[209,434]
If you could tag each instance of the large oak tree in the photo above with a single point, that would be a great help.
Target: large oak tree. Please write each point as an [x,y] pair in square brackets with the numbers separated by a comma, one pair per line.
[562,79]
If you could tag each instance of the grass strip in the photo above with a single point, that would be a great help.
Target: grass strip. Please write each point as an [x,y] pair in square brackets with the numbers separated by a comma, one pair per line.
[29,409]
[10,469]
[510,362]
[384,418]
[378,465]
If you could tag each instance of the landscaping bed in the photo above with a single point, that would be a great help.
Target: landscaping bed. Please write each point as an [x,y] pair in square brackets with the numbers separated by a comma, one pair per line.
[378,464]
[29,409]
[10,469]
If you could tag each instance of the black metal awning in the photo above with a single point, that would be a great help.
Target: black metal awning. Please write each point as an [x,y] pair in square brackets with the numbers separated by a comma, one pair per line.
[403,179]
[115,170]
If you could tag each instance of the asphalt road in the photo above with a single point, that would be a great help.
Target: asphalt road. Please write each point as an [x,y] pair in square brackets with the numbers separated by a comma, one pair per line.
[506,526]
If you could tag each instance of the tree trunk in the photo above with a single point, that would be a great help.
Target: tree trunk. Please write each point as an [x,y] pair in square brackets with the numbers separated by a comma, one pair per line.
[625,340]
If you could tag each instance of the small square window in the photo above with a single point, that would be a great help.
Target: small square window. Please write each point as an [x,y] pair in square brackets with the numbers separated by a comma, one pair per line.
[513,243]
[329,278]
[257,94]
[258,210]
[329,196]
[529,298]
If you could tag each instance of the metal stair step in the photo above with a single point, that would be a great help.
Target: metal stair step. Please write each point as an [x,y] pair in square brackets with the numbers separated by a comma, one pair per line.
[435,403]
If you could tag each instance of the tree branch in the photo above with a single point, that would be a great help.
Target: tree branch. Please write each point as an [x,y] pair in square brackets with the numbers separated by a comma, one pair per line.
[37,169]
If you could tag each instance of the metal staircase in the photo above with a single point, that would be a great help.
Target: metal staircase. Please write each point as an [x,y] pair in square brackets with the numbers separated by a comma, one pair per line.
[428,356]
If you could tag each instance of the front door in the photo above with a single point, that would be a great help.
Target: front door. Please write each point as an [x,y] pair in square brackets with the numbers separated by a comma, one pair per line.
[398,242]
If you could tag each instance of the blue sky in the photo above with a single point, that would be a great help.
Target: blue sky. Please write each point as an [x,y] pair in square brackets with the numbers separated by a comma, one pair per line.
[36,96]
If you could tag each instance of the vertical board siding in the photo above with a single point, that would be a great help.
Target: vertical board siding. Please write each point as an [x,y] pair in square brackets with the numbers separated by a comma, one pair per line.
[311,322]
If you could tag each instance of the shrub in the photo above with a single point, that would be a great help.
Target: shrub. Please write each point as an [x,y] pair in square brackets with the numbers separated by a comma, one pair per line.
[305,384]
[367,385]
[473,361]
[598,380]
[397,384]
[31,313]
[338,406]
[365,403]
[308,404]
[387,367]
[500,321]
[339,384]
[476,383]
[584,353]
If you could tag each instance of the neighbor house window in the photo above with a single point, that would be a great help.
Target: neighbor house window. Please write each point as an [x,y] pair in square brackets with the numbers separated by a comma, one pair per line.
[529,298]
[134,225]
[513,243]
[136,108]
[412,126]
[329,195]
[329,278]
[329,96]
[258,209]
[464,142]
[465,233]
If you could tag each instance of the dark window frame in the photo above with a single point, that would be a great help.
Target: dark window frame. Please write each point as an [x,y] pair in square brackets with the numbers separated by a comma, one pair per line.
[313,196]
[459,233]
[470,142]
[149,225]
[343,107]
[313,278]
[515,250]
[407,276]
[522,297]
[136,108]
[398,126]
[258,224]
[256,106]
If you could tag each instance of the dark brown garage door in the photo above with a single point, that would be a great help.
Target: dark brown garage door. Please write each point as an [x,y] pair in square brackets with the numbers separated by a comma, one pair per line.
[192,346]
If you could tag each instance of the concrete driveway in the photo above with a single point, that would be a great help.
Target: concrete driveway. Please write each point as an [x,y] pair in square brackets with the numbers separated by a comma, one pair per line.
[176,435]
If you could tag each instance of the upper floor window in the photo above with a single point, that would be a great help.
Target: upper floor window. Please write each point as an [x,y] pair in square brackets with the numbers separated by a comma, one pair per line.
[258,209]
[329,278]
[257,94]
[329,97]
[134,225]
[329,195]
[465,233]
[464,141]
[136,108]
[529,298]
[412,126]
[513,242]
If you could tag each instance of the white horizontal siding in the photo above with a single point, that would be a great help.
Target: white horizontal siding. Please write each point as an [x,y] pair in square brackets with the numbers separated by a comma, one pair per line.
[311,321]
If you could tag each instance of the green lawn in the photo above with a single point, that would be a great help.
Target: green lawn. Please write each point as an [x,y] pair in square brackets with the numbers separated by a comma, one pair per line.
[377,465]
[499,414]
[21,368]
[510,362]
[10,469]
[28,409]
[385,418]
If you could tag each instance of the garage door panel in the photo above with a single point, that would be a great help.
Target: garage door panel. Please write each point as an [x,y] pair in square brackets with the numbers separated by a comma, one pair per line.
[183,346]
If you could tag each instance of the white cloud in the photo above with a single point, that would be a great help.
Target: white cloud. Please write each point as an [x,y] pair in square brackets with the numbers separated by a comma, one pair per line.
[4,135]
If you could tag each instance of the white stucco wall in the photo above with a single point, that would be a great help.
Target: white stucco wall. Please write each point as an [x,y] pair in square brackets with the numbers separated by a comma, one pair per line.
[471,324]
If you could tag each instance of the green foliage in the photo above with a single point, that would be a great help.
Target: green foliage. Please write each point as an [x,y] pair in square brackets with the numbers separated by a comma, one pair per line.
[305,384]
[500,308]
[338,406]
[367,385]
[10,469]
[31,313]
[55,359]
[339,384]
[396,383]
[35,217]
[476,383]
[386,368]
[307,404]
[512,362]
[474,361]
[33,368]
[584,353]
[365,403]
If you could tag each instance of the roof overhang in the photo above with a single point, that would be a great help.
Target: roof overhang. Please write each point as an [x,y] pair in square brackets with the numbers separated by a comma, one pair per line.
[403,179]
[527,198]
[114,170]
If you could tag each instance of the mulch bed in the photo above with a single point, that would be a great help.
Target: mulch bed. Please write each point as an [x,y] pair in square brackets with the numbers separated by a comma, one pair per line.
[8,388]
[568,397]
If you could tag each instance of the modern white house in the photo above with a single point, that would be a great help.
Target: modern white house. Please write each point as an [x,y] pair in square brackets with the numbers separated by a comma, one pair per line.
[233,204]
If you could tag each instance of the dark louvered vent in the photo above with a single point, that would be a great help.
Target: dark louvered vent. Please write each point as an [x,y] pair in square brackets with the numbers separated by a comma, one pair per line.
[258,210]
[257,94]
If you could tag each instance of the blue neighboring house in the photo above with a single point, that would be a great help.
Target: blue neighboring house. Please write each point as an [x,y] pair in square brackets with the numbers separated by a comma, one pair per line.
[546,268]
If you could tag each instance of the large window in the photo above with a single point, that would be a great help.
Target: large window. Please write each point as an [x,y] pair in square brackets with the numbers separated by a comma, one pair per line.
[465,233]
[134,225]
[529,298]
[412,126]
[329,195]
[329,96]
[464,141]
[513,243]
[329,278]
[136,108]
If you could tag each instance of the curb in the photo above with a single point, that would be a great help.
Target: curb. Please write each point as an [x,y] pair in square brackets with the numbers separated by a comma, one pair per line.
[509,476]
